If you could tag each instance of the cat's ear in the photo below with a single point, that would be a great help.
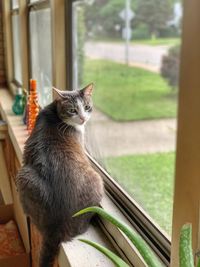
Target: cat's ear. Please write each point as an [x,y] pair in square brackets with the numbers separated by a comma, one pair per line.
[87,91]
[58,94]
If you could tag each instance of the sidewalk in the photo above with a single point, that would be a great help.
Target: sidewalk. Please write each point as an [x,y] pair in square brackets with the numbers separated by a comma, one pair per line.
[110,138]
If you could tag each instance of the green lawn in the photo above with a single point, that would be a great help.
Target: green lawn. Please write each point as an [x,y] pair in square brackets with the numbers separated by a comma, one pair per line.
[128,93]
[149,179]
[158,41]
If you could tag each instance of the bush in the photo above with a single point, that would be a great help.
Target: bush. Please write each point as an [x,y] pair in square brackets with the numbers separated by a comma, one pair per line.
[141,32]
[169,32]
[170,66]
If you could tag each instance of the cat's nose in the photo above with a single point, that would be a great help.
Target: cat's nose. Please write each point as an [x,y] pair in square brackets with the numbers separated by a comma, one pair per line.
[82,119]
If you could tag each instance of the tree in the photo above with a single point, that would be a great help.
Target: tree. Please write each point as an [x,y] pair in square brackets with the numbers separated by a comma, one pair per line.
[102,18]
[155,14]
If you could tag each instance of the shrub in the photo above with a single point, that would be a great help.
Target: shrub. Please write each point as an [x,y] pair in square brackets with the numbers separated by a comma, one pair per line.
[170,66]
[141,32]
[169,32]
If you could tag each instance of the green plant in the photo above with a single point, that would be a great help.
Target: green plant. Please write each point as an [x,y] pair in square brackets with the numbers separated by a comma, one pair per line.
[145,251]
[185,245]
[170,66]
[140,32]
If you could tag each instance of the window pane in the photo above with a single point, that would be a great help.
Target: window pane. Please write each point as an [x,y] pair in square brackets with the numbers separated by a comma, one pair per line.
[16,49]
[15,4]
[131,53]
[41,55]
[33,1]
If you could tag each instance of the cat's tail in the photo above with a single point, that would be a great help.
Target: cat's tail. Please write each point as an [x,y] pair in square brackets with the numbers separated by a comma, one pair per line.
[49,251]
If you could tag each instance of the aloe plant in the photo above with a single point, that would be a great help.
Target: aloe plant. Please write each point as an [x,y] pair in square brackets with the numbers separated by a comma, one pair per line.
[185,248]
[198,264]
[145,251]
[185,245]
[112,256]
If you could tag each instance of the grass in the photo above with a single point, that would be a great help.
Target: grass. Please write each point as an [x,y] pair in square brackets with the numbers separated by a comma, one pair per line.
[128,93]
[149,179]
[158,41]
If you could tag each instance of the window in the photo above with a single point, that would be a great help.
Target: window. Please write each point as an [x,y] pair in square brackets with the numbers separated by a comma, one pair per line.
[41,52]
[15,4]
[123,57]
[16,43]
[133,129]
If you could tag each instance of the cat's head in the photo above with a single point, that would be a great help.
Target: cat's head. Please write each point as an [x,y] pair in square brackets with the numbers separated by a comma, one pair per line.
[74,107]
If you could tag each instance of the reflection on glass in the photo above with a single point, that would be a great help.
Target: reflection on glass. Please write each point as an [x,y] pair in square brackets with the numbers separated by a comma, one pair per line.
[34,1]
[16,49]
[133,59]
[41,55]
[15,4]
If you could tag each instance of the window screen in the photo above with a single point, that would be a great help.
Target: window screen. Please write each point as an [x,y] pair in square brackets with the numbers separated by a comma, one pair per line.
[16,48]
[41,54]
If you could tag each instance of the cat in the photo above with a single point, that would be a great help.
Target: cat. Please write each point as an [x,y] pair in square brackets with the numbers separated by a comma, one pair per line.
[57,179]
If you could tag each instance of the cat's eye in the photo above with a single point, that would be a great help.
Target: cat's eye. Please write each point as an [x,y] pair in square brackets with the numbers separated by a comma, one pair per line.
[87,107]
[72,111]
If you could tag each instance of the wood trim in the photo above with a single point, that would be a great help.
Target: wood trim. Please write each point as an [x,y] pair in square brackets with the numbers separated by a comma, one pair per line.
[187,183]
[58,44]
[8,41]
[23,16]
[4,179]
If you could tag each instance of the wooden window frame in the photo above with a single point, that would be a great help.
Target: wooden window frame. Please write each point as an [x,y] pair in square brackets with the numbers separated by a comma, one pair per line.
[187,182]
[57,9]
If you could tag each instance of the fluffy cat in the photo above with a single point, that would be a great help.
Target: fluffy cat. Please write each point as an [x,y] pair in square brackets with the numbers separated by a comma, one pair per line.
[56,179]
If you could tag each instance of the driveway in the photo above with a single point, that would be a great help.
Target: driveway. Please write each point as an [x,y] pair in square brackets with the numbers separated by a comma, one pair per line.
[145,56]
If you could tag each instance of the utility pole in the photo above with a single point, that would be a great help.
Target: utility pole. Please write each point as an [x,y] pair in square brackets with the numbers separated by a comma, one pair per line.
[128,30]
[127,15]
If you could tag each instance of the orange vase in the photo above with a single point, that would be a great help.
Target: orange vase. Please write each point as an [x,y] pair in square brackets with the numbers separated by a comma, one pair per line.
[33,107]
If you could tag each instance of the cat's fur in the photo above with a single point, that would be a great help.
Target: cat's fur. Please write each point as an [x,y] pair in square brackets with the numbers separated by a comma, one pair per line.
[56,179]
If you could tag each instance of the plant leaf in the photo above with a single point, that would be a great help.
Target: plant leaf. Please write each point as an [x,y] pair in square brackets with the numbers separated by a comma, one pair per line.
[198,263]
[145,251]
[185,247]
[113,257]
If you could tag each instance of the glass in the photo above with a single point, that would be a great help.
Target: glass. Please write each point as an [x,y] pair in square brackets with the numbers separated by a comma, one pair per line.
[16,49]
[41,53]
[133,61]
[34,1]
[15,4]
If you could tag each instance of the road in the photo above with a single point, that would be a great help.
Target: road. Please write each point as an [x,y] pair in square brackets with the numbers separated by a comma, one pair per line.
[145,56]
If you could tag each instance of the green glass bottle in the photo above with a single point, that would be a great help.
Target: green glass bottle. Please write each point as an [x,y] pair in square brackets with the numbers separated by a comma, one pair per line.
[18,105]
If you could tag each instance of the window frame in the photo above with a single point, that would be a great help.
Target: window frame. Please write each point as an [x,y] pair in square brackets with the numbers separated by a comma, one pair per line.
[57,10]
[34,7]
[15,12]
